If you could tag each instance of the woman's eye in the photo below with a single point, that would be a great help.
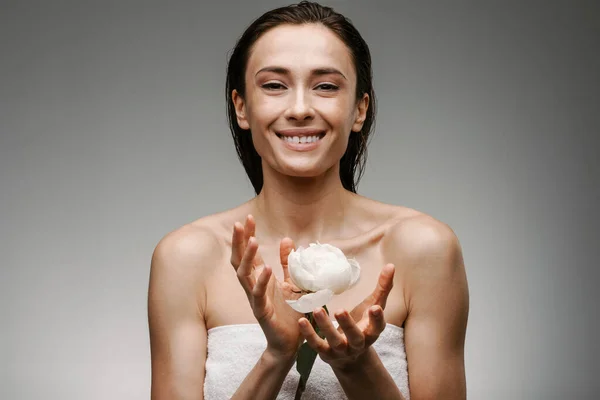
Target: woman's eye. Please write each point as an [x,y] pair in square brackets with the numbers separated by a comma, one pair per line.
[327,87]
[273,86]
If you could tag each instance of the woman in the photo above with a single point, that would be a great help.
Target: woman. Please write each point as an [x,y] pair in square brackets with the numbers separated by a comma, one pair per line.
[301,107]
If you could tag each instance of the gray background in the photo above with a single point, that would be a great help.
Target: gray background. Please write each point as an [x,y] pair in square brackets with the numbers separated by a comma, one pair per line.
[113,132]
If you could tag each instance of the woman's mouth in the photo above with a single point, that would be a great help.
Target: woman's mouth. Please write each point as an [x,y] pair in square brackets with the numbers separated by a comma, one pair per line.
[301,139]
[301,142]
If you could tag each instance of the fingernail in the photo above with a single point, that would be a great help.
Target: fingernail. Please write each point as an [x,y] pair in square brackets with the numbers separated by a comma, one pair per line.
[376,311]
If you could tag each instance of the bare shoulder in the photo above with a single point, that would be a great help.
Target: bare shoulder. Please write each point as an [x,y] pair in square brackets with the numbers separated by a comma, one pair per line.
[204,236]
[408,233]
[414,233]
[423,249]
[429,267]
[196,244]
[178,270]
[184,248]
[194,249]
[181,264]
[187,241]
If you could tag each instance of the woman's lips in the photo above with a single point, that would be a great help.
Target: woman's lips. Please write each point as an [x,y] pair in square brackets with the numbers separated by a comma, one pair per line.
[294,142]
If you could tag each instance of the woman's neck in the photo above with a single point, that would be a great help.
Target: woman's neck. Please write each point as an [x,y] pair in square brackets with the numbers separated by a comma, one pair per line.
[304,209]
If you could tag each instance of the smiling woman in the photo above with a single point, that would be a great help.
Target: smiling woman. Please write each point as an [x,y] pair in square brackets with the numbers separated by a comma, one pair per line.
[301,107]
[294,62]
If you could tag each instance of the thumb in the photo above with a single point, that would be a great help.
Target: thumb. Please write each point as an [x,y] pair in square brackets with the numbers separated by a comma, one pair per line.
[285,248]
[384,285]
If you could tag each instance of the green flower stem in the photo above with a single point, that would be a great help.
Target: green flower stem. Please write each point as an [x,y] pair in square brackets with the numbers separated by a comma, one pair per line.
[306,357]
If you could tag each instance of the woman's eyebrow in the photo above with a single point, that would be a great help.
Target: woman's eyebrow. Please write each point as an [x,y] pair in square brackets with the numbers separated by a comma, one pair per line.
[315,72]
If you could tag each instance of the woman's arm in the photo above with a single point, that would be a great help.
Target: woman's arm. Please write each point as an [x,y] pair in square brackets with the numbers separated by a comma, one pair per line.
[178,338]
[266,378]
[368,379]
[349,352]
[431,270]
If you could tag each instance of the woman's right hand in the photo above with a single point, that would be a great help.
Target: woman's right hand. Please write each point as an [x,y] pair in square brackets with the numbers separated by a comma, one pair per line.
[266,294]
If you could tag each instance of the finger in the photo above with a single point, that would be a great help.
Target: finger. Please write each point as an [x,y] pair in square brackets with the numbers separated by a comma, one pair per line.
[250,231]
[379,295]
[335,339]
[258,260]
[245,271]
[376,324]
[313,340]
[249,228]
[259,292]
[285,248]
[245,236]
[354,335]
[384,285]
[237,247]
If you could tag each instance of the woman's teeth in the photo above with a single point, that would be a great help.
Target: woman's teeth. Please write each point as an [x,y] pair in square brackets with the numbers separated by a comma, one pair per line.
[301,139]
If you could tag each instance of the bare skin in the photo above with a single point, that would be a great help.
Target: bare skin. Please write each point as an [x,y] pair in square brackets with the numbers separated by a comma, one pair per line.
[365,246]
[213,296]
[195,280]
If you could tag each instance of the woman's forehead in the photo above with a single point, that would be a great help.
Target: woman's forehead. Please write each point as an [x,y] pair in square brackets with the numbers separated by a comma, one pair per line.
[300,48]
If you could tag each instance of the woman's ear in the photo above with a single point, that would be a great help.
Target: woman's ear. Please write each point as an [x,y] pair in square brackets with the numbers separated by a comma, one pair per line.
[361,113]
[240,109]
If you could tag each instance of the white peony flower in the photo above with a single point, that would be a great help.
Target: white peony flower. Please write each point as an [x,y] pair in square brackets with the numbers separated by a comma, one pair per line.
[322,271]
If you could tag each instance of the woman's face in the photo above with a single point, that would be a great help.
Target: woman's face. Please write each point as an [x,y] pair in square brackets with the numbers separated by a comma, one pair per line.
[300,102]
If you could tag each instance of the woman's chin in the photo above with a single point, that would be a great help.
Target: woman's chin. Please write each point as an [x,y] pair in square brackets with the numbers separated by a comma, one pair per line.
[302,171]
[299,167]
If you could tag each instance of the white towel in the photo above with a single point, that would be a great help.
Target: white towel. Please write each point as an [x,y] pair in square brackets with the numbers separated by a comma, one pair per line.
[233,350]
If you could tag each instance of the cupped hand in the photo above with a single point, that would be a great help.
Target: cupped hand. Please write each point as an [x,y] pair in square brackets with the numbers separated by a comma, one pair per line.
[357,330]
[266,294]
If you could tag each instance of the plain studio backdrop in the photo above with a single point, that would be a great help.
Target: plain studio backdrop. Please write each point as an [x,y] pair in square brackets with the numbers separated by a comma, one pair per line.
[113,133]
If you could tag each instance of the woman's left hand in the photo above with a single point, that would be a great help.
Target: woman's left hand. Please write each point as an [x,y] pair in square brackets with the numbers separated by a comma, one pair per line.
[344,346]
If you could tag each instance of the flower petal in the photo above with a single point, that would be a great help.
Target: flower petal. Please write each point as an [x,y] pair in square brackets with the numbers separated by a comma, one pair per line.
[355,272]
[335,277]
[339,254]
[302,278]
[309,302]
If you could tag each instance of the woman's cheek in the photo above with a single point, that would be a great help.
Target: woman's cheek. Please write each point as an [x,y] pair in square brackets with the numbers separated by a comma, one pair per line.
[336,111]
[269,109]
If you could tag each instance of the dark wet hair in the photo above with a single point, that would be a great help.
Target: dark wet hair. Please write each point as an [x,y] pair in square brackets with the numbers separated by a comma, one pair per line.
[353,161]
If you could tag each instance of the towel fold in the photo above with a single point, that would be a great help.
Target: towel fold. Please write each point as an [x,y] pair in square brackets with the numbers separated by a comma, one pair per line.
[233,350]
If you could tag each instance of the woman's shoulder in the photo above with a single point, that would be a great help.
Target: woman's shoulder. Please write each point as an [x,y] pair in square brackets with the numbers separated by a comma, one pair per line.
[411,231]
[419,243]
[205,237]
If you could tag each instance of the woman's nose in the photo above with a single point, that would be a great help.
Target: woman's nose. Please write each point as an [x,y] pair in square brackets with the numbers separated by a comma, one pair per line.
[300,107]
